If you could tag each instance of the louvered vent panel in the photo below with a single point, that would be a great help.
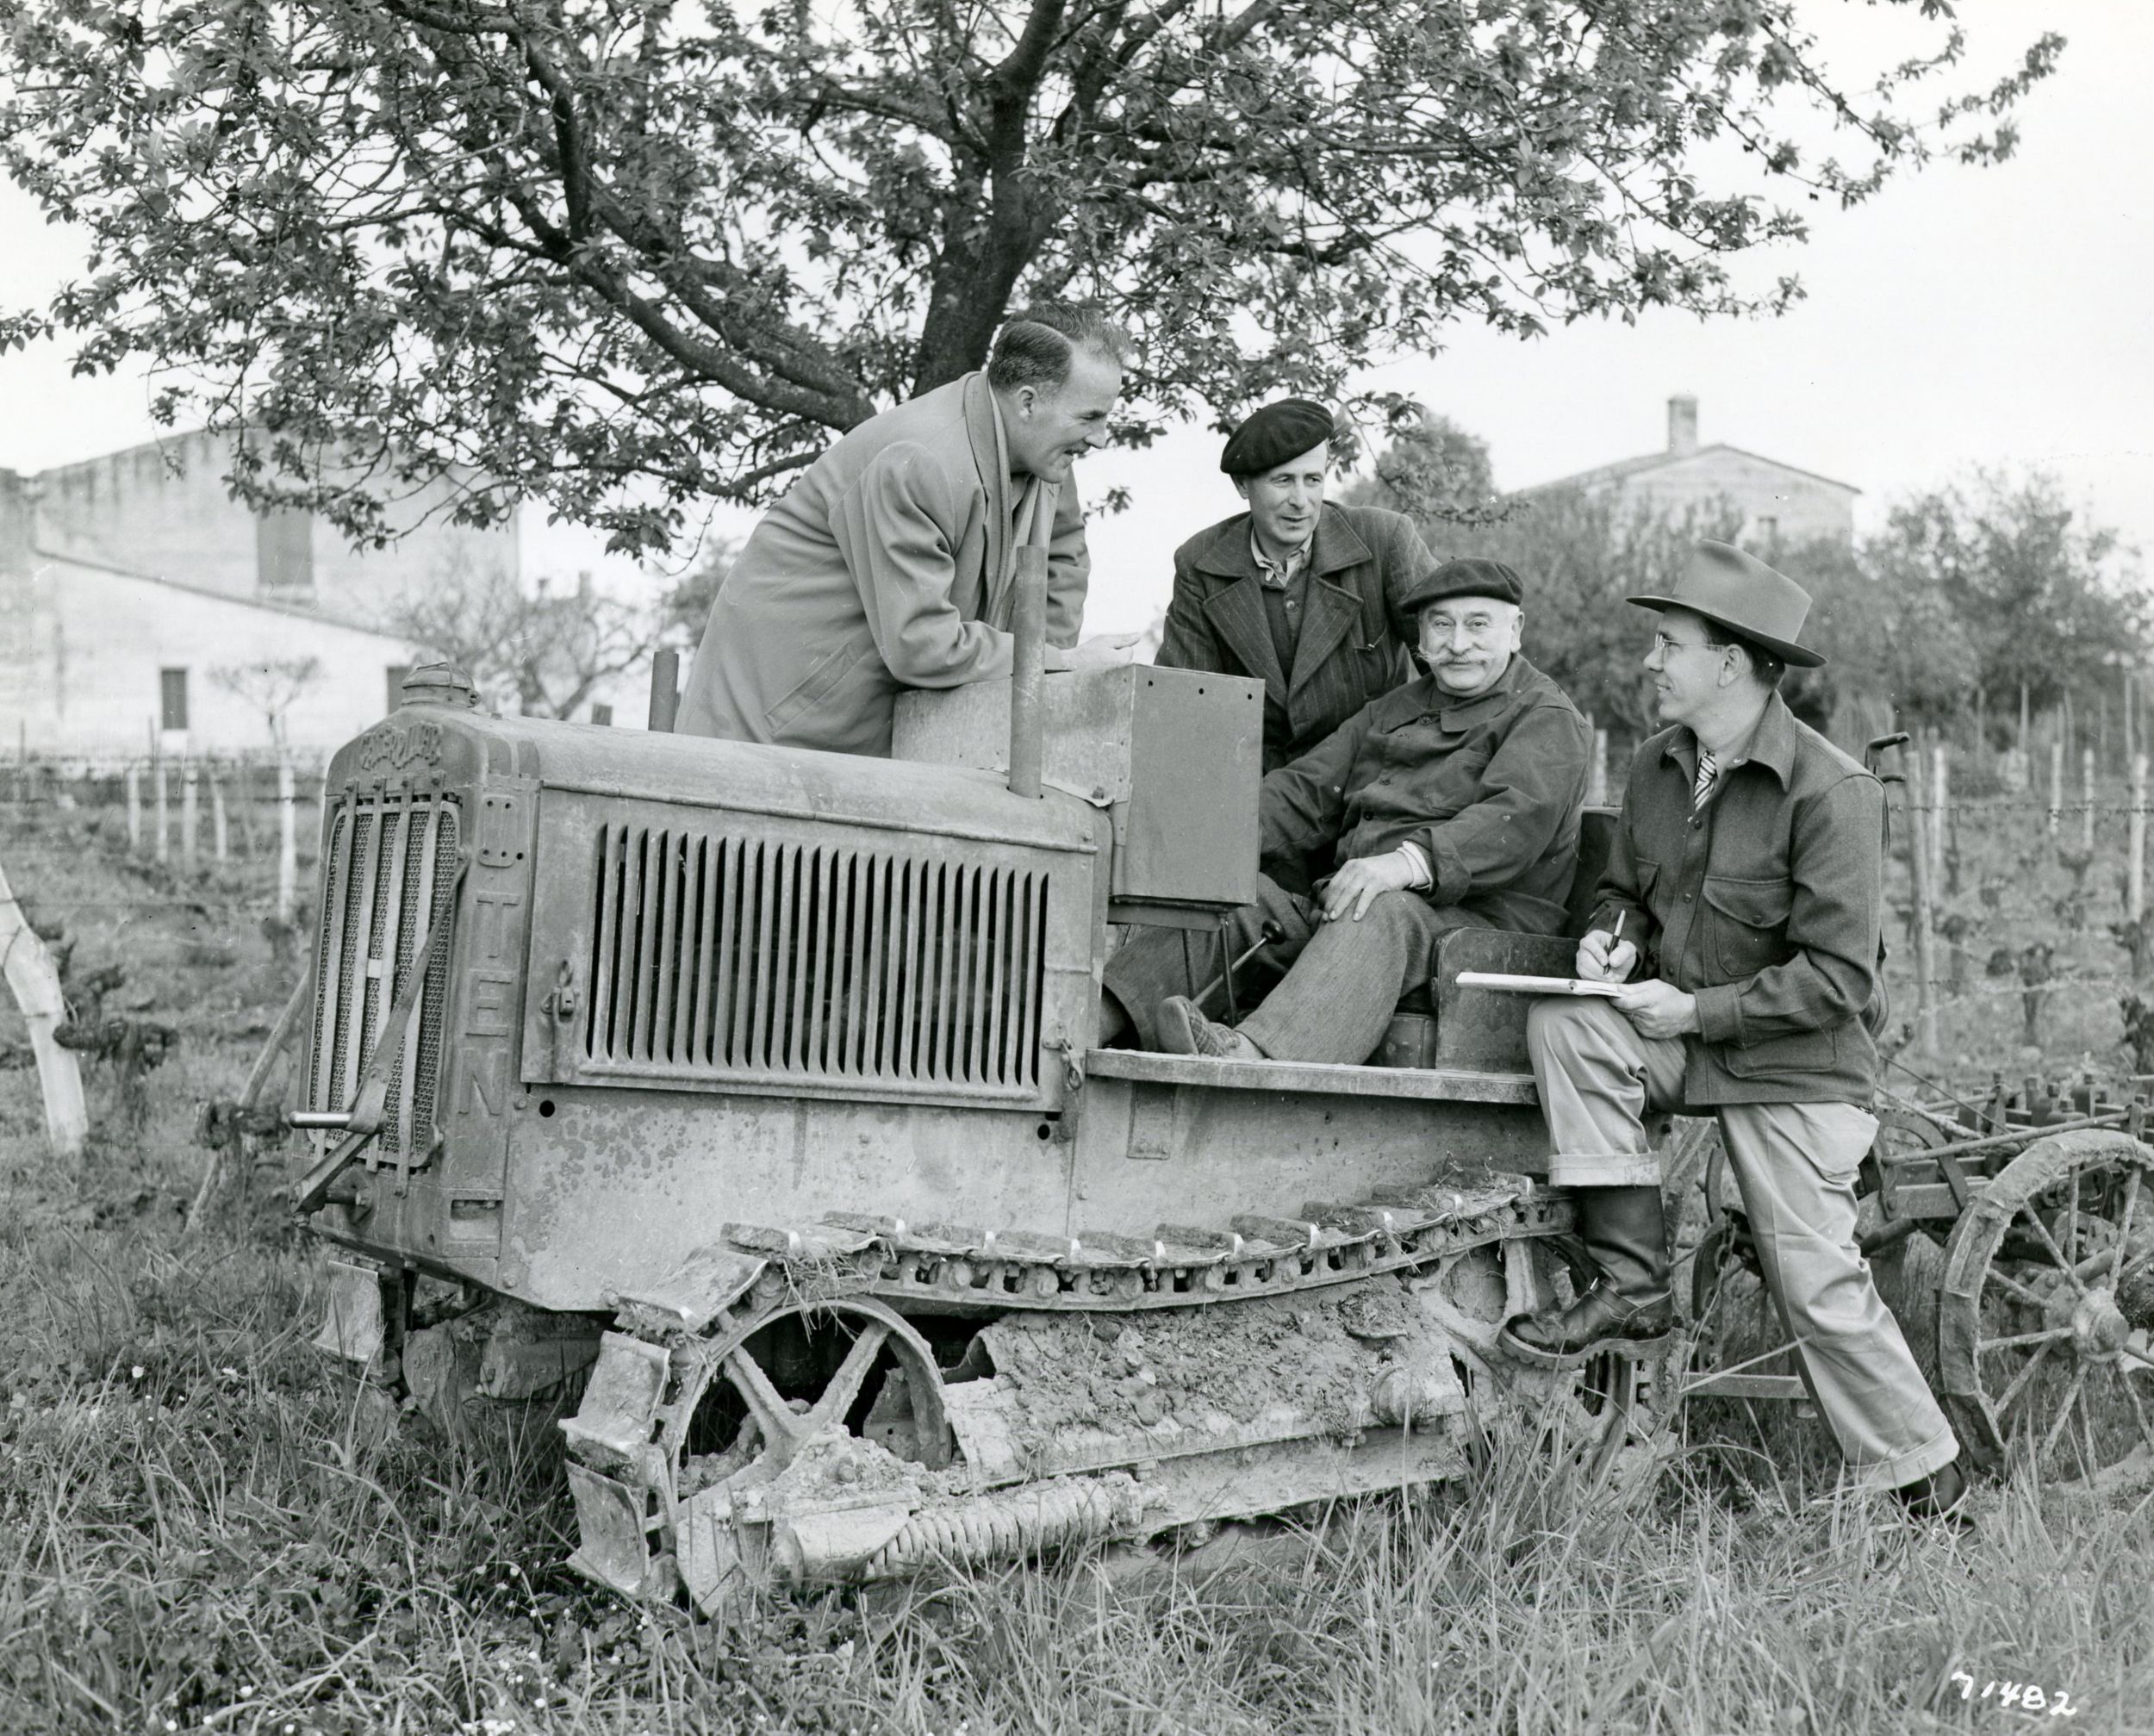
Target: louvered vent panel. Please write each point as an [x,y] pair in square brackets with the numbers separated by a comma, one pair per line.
[756,958]
[390,863]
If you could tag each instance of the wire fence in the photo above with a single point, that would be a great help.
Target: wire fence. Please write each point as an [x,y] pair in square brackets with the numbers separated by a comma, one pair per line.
[2017,916]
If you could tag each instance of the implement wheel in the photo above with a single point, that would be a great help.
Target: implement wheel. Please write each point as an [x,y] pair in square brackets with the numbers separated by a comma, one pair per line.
[2044,1321]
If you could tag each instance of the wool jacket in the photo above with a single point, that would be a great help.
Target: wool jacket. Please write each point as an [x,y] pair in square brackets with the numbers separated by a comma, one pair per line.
[1490,787]
[1766,906]
[1361,559]
[889,565]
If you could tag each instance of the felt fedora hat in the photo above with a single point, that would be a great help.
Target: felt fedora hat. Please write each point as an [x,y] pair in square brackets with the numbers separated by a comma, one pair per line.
[1742,594]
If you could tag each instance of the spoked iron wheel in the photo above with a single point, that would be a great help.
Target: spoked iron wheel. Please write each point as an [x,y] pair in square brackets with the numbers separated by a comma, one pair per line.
[757,1400]
[2043,1331]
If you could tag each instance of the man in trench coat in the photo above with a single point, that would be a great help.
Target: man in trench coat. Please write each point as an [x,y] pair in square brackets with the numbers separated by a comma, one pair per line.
[890,564]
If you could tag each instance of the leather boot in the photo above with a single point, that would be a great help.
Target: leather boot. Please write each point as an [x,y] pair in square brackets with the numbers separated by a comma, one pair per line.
[1941,1495]
[1627,1305]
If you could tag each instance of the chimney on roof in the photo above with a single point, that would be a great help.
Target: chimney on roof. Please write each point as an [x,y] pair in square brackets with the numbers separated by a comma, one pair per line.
[1682,426]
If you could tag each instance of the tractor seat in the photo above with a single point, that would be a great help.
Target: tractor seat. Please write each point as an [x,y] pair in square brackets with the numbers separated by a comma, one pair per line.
[1478,1029]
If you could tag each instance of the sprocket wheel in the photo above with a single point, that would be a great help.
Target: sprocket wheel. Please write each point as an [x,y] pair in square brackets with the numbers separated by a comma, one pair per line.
[2044,1346]
[788,1378]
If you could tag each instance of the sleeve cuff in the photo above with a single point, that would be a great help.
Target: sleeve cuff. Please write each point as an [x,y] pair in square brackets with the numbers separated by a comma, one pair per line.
[1417,859]
[1449,879]
[1718,1018]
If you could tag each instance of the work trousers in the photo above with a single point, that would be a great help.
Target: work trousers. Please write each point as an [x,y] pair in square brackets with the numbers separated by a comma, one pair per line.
[1340,990]
[1795,1167]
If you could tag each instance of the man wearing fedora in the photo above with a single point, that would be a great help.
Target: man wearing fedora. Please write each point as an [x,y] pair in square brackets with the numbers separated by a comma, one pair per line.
[1740,912]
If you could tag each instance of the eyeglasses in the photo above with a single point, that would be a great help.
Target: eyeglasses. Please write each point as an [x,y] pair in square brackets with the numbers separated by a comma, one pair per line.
[1664,644]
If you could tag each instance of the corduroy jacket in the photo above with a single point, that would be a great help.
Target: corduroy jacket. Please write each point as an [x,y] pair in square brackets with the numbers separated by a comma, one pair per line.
[1360,559]
[1490,787]
[1766,906]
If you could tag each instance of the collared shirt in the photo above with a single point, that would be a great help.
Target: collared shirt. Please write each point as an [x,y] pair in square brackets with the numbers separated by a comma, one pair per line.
[1285,596]
[1488,789]
[1765,904]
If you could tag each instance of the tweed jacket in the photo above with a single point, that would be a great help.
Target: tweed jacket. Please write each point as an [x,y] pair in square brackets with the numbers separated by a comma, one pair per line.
[1766,906]
[889,565]
[1360,558]
[1490,787]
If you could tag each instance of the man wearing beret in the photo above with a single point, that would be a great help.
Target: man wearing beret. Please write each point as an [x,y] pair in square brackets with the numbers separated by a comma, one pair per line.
[1450,802]
[1297,591]
[891,563]
[1741,911]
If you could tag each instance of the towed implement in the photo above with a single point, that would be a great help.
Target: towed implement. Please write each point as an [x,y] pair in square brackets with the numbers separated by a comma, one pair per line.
[760,1092]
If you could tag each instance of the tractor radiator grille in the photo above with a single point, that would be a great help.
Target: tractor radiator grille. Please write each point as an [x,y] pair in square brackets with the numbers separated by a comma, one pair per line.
[752,958]
[390,863]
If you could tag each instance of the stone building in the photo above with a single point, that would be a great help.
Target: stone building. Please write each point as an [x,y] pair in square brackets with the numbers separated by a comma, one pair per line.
[1779,502]
[141,604]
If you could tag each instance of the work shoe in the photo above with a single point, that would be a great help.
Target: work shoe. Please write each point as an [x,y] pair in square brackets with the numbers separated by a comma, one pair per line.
[1941,1495]
[1183,1030]
[1599,1321]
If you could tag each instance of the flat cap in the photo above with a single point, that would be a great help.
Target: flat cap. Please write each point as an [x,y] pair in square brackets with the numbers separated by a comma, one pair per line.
[1275,433]
[1470,576]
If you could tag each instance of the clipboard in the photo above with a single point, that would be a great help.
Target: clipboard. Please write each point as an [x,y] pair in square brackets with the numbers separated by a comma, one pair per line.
[1504,983]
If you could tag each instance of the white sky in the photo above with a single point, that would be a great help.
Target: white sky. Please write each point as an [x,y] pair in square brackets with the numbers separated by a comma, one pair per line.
[2000,316]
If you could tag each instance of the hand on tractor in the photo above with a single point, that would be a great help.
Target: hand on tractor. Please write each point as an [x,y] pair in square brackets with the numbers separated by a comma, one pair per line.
[1603,958]
[1658,1009]
[1101,650]
[1352,890]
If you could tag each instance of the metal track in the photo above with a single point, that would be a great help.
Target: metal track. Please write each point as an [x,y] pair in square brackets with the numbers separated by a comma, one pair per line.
[639,1530]
[1176,1266]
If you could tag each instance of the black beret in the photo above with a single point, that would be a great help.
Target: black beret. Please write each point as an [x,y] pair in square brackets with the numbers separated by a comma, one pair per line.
[1275,433]
[1470,576]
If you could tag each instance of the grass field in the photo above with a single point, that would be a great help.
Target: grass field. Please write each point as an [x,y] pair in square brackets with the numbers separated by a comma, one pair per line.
[201,1528]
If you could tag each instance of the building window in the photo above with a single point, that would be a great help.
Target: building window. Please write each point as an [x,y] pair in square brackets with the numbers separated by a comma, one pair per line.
[398,675]
[284,554]
[602,715]
[172,694]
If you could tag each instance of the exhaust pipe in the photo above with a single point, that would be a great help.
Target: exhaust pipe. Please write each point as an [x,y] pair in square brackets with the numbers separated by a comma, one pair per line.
[1028,673]
[665,690]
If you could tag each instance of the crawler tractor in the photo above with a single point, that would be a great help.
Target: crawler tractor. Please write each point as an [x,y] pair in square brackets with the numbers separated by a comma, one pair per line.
[759,1092]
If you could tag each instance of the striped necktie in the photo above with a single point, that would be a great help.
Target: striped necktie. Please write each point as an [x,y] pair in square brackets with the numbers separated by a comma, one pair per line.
[1708,769]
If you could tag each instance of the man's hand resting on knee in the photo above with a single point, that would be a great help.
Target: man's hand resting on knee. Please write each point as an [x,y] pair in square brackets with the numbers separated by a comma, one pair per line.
[1655,1008]
[1352,890]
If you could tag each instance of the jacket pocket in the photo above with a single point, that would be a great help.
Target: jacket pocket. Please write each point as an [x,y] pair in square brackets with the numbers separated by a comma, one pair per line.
[1799,1055]
[1749,926]
[821,680]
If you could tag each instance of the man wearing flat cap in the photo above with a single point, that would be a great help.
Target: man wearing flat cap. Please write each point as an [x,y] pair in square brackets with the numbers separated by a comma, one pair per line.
[1745,885]
[1297,591]
[1450,802]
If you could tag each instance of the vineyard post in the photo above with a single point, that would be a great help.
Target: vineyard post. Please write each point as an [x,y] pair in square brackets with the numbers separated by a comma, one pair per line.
[189,814]
[1920,819]
[30,972]
[1941,783]
[220,828]
[134,780]
[2056,781]
[2135,870]
[162,844]
[287,839]
[2087,792]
